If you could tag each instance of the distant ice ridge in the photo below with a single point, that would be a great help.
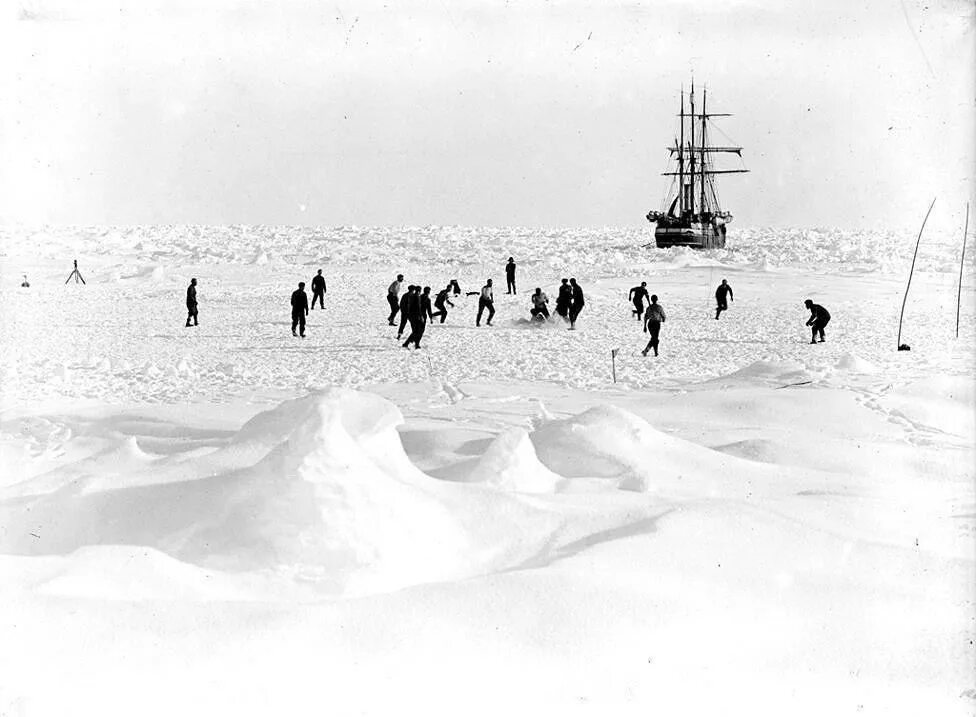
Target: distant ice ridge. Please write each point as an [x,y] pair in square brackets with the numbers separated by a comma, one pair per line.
[592,250]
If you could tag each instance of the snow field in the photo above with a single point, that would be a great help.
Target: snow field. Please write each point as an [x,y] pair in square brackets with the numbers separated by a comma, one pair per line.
[212,519]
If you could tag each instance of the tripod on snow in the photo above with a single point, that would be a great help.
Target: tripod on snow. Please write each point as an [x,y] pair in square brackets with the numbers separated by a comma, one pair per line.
[75,274]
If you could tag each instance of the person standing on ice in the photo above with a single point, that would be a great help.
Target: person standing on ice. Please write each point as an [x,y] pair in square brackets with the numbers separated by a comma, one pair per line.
[539,301]
[578,303]
[486,301]
[564,299]
[299,310]
[443,297]
[318,290]
[405,301]
[637,295]
[393,297]
[510,275]
[653,318]
[418,308]
[721,292]
[819,317]
[191,303]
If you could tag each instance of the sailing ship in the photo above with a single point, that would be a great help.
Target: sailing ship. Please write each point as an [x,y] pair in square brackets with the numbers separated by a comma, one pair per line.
[693,217]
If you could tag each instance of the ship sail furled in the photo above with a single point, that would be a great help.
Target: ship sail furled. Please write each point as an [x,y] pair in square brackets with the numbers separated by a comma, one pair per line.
[694,217]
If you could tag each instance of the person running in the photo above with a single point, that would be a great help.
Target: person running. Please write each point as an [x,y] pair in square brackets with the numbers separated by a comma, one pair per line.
[318,290]
[299,310]
[443,297]
[510,275]
[418,309]
[578,303]
[653,318]
[404,301]
[393,297]
[486,301]
[819,318]
[539,301]
[721,292]
[564,299]
[191,303]
[637,295]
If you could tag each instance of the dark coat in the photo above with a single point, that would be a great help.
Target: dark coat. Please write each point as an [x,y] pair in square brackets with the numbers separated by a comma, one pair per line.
[578,296]
[191,296]
[299,302]
[318,284]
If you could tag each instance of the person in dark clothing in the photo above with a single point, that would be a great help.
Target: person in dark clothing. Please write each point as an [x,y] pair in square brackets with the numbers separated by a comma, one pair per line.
[653,318]
[578,303]
[721,292]
[299,310]
[819,318]
[510,275]
[539,309]
[637,295]
[418,309]
[455,286]
[393,297]
[486,301]
[318,290]
[191,303]
[564,299]
[404,301]
[443,297]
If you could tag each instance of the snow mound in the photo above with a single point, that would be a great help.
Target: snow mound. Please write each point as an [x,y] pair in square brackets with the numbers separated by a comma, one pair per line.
[855,364]
[318,490]
[609,442]
[510,463]
[765,371]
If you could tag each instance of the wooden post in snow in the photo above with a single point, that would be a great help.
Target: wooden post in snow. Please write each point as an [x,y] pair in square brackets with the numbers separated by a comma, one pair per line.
[910,272]
[962,258]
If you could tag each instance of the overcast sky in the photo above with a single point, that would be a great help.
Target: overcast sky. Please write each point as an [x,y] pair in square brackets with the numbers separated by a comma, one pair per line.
[852,114]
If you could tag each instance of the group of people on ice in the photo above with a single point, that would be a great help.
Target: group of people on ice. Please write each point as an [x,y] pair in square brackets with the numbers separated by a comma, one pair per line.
[416,307]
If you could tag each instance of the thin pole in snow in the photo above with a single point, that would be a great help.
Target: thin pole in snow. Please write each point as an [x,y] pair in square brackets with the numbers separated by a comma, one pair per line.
[961,259]
[613,363]
[910,272]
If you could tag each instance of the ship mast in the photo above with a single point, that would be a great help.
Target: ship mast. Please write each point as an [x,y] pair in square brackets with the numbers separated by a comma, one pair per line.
[701,204]
[681,158]
[691,147]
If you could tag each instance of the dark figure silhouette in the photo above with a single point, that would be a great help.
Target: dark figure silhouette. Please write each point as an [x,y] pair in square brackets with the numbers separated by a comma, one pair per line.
[318,290]
[510,275]
[819,318]
[191,303]
[455,286]
[299,310]
[578,303]
[721,292]
[393,297]
[443,297]
[417,310]
[25,284]
[539,308]
[637,295]
[653,318]
[486,301]
[564,299]
[404,301]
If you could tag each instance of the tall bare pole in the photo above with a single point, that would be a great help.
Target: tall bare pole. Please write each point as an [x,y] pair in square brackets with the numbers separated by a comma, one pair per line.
[911,271]
[962,258]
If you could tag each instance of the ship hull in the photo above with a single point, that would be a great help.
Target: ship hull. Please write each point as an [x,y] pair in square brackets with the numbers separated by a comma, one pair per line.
[693,235]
